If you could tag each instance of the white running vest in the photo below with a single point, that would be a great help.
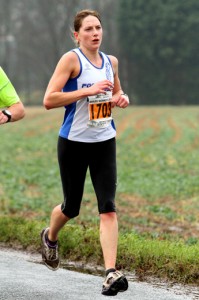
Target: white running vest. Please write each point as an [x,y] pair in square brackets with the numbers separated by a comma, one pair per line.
[89,119]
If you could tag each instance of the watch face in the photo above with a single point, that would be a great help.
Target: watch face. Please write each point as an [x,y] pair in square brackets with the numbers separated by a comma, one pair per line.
[7,112]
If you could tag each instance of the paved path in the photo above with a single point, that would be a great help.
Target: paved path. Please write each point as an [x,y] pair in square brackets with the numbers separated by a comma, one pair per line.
[21,278]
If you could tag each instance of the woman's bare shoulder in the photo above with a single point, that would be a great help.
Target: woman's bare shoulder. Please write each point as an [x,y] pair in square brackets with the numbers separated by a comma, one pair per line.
[69,56]
[114,62]
[113,59]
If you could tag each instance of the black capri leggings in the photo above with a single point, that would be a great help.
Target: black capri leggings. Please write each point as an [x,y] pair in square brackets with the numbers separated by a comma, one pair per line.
[74,159]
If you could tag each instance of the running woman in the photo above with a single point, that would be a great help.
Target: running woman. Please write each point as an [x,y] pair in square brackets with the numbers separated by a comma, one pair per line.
[86,83]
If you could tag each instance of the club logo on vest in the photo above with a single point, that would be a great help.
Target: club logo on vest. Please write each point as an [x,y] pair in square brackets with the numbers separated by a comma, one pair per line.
[108,71]
[87,66]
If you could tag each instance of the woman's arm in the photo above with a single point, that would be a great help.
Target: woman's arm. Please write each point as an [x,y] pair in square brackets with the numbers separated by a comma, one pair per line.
[119,98]
[68,67]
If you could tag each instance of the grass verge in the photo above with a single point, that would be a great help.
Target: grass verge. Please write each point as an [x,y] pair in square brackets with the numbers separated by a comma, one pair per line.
[175,261]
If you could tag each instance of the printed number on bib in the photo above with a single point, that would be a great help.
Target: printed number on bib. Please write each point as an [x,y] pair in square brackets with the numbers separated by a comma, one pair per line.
[100,110]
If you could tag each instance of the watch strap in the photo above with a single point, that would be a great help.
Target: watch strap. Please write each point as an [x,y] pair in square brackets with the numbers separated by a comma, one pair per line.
[7,114]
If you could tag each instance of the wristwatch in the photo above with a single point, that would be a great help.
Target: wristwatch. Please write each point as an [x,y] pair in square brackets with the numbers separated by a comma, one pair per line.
[8,114]
[123,94]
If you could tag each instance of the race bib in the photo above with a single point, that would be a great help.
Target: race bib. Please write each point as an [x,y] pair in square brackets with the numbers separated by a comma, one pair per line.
[99,110]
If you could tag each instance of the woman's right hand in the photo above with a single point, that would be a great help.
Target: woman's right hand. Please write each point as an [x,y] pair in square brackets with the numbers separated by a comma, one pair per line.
[100,87]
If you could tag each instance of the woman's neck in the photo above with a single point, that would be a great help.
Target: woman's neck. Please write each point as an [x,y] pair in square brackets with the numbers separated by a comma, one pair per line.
[93,56]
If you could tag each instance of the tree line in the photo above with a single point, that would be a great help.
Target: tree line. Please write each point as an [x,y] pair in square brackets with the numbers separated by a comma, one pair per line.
[155,41]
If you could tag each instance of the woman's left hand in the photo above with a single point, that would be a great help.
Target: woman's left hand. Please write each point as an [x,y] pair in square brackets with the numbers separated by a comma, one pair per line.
[121,101]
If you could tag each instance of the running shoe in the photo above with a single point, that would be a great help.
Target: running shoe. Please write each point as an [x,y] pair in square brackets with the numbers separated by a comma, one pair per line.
[115,282]
[49,254]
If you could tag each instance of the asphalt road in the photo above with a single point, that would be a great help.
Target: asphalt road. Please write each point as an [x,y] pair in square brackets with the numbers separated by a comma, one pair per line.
[22,277]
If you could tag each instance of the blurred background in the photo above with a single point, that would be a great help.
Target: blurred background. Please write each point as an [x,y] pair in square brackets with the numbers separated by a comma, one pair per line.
[156,42]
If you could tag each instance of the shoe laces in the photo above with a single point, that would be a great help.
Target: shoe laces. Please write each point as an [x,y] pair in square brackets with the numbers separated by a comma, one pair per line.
[112,276]
[52,253]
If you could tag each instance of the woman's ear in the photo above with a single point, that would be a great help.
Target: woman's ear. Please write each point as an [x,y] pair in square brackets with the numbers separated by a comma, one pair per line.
[75,33]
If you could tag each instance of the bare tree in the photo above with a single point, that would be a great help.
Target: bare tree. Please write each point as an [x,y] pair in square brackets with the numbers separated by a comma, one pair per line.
[34,35]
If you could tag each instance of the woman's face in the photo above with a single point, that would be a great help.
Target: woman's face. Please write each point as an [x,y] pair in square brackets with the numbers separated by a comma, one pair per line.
[90,33]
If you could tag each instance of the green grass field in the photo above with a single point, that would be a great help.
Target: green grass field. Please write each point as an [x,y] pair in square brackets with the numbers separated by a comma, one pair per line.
[158,173]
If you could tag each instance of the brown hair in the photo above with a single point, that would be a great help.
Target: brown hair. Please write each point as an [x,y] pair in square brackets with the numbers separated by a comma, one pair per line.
[83,14]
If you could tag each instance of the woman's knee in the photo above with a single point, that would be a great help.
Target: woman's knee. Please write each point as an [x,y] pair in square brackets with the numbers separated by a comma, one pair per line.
[70,213]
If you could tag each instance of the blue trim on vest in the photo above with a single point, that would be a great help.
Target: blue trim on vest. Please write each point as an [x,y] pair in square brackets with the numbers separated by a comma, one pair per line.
[80,72]
[113,124]
[70,86]
[68,120]
[99,68]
